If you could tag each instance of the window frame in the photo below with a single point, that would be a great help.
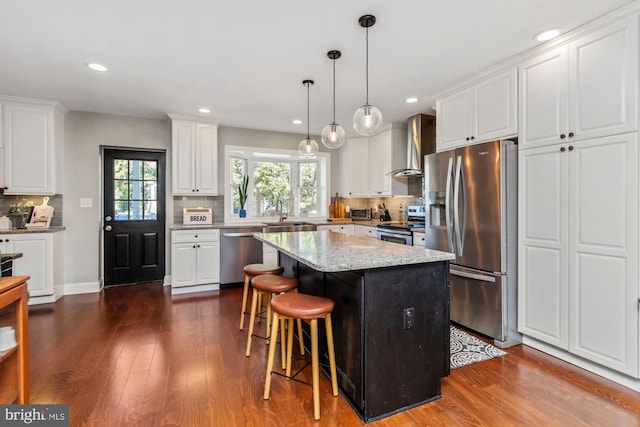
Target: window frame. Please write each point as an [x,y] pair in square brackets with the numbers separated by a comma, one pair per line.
[253,155]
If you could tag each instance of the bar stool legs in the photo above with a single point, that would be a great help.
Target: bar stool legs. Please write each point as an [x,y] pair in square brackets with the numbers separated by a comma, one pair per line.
[288,307]
[251,271]
[247,279]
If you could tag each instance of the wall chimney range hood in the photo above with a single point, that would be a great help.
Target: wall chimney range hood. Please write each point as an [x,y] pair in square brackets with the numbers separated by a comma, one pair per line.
[421,140]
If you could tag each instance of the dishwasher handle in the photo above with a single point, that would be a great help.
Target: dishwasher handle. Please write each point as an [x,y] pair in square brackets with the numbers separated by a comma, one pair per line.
[238,234]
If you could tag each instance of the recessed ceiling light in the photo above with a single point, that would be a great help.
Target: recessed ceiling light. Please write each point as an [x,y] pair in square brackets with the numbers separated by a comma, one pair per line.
[411,100]
[204,110]
[97,67]
[297,122]
[547,35]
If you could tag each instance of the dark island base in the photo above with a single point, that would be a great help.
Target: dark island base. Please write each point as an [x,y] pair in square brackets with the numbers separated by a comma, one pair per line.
[385,364]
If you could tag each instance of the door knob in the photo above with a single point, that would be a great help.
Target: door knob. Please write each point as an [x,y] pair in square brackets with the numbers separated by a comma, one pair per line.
[108,228]
[108,218]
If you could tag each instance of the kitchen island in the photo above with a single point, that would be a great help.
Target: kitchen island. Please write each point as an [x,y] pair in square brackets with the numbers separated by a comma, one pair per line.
[391,315]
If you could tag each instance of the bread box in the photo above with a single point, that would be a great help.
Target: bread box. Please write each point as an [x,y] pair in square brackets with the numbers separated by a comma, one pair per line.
[197,216]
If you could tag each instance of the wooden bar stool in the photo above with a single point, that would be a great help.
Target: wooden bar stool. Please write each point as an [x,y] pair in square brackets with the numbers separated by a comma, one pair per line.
[308,308]
[267,285]
[251,271]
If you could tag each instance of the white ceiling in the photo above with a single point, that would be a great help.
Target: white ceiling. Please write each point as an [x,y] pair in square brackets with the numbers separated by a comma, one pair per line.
[245,60]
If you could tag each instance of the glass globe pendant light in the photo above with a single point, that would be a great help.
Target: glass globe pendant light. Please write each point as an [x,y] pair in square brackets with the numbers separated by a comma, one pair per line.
[333,134]
[368,119]
[307,147]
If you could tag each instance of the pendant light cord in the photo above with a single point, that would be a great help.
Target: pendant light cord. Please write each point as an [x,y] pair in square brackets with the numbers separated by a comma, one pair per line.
[308,113]
[367,67]
[334,91]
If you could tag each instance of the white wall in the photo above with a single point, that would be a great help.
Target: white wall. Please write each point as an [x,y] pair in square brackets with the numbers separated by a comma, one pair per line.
[85,134]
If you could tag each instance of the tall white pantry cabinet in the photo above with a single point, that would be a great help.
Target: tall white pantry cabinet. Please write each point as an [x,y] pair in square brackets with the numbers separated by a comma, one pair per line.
[578,206]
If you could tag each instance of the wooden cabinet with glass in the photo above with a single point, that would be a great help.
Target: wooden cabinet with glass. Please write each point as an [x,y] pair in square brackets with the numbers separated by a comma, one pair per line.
[14,359]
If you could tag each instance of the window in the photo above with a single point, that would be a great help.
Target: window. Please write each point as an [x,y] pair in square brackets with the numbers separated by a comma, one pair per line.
[308,188]
[280,182]
[135,186]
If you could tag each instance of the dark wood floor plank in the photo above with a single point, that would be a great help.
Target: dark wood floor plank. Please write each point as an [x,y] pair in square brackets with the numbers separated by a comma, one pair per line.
[136,356]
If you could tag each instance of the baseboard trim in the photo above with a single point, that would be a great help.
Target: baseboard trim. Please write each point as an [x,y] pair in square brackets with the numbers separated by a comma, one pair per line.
[197,288]
[82,288]
[167,280]
[45,299]
[617,377]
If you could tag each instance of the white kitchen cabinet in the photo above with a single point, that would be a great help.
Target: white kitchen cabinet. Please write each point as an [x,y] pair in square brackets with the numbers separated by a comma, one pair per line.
[41,259]
[194,157]
[578,248]
[419,239]
[585,89]
[32,139]
[482,112]
[338,228]
[195,260]
[354,175]
[388,152]
[366,231]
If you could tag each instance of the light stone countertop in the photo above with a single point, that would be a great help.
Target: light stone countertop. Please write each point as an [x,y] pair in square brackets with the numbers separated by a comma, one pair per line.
[220,225]
[52,229]
[328,251]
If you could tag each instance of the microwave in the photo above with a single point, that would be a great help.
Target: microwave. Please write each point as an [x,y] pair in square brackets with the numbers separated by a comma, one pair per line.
[361,214]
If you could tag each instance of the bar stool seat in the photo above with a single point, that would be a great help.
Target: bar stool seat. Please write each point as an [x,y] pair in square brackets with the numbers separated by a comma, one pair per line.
[308,308]
[251,271]
[267,285]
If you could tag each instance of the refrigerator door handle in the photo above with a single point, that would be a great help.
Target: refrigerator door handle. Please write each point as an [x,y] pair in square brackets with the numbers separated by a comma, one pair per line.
[456,210]
[475,276]
[447,207]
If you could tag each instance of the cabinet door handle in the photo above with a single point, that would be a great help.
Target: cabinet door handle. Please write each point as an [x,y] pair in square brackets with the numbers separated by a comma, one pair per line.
[562,149]
[571,134]
[571,148]
[197,189]
[467,138]
[473,137]
[194,246]
[563,136]
[198,245]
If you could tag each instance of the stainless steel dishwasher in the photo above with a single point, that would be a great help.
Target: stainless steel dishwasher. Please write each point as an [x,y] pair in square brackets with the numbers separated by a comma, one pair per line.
[238,248]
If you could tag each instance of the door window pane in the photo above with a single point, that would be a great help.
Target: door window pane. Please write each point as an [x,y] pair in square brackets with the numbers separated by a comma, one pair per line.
[120,169]
[135,209]
[121,210]
[135,190]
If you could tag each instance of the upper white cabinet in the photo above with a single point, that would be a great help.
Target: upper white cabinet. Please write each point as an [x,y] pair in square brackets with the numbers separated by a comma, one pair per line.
[578,248]
[194,157]
[387,152]
[366,162]
[32,135]
[482,112]
[583,90]
[354,175]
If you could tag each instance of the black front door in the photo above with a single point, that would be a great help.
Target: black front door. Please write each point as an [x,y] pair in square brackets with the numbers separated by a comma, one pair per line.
[134,216]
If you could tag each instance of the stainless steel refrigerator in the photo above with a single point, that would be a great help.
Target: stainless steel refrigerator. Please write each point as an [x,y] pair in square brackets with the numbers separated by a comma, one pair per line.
[471,197]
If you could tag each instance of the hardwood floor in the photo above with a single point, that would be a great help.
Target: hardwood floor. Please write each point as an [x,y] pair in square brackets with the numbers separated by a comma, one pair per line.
[136,356]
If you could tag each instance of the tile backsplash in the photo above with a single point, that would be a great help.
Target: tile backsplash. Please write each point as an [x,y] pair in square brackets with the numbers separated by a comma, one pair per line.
[55,201]
[216,203]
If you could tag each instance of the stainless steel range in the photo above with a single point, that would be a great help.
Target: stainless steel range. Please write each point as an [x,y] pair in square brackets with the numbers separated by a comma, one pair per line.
[402,232]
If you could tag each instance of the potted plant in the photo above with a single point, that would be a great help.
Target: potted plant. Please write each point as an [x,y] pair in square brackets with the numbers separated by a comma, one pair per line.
[18,213]
[242,195]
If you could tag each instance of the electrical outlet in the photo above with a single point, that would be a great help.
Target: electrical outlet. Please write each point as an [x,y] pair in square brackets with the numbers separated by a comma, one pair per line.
[408,318]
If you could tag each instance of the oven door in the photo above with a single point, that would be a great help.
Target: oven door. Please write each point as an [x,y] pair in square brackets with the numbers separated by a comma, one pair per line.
[390,236]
